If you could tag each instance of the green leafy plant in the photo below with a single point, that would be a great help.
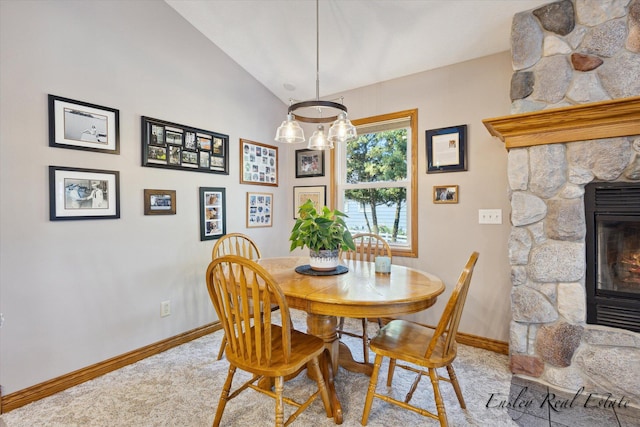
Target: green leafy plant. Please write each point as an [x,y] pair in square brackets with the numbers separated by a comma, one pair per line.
[320,230]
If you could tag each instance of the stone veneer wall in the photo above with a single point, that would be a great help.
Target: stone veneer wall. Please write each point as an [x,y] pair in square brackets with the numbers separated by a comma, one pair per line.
[567,53]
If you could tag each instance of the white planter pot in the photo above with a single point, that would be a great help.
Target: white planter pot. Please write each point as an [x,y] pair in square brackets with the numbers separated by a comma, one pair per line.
[324,260]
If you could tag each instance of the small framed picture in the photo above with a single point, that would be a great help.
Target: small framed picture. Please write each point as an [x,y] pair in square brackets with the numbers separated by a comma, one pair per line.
[317,194]
[447,149]
[83,194]
[445,194]
[258,163]
[309,163]
[159,202]
[83,126]
[212,213]
[259,210]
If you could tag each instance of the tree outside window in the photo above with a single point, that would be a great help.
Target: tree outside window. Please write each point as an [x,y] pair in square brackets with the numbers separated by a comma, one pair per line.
[376,178]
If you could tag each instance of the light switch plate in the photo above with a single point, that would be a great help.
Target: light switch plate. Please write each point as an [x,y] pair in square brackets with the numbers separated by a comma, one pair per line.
[490,216]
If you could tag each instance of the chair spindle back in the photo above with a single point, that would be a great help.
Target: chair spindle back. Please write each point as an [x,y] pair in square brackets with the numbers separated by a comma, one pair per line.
[238,287]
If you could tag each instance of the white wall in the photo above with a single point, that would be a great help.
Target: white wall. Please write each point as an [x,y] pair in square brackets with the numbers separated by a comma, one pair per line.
[75,293]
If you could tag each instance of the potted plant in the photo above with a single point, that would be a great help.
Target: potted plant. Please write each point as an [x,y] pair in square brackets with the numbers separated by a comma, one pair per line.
[325,233]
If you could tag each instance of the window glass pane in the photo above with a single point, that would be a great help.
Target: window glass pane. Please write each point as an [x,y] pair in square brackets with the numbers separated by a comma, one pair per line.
[377,157]
[380,211]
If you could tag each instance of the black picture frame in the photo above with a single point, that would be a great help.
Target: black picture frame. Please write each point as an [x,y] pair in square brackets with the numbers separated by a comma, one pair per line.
[213,218]
[447,149]
[80,125]
[159,202]
[76,194]
[302,193]
[170,145]
[309,163]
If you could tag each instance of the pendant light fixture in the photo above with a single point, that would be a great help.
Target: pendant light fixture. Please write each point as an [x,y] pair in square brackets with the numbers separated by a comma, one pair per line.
[317,111]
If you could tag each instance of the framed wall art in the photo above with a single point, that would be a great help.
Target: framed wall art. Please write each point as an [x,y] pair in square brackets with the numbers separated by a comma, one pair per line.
[445,194]
[159,202]
[258,163]
[309,163]
[259,210]
[83,126]
[213,221]
[83,194]
[172,146]
[447,149]
[317,194]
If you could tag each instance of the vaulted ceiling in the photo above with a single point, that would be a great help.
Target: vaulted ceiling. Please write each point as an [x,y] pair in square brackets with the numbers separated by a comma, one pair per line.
[362,42]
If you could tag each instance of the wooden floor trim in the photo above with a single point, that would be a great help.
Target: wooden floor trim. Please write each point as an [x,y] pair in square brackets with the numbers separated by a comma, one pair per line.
[55,385]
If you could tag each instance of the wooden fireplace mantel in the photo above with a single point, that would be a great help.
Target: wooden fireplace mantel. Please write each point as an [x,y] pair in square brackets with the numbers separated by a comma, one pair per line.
[606,119]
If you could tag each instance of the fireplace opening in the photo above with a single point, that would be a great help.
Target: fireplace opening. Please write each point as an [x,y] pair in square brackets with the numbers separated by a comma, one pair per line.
[612,213]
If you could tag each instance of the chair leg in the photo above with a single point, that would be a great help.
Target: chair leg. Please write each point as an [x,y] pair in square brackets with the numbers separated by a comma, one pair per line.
[224,396]
[365,340]
[456,386]
[223,344]
[442,414]
[372,389]
[392,369]
[279,389]
[340,326]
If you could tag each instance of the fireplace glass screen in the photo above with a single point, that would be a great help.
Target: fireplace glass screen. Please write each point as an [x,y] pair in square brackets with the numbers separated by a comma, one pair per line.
[618,252]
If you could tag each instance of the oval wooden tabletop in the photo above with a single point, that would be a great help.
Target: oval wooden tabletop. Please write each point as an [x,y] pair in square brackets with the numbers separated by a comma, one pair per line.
[360,292]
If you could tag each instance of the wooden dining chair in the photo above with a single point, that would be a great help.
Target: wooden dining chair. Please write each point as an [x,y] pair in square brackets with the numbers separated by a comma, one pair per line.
[255,344]
[235,244]
[422,346]
[368,246]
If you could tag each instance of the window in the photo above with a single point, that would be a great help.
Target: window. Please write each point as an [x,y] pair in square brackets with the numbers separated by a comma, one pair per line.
[375,179]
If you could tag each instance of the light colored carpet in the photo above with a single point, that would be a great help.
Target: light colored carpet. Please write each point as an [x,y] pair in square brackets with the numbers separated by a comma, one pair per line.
[181,387]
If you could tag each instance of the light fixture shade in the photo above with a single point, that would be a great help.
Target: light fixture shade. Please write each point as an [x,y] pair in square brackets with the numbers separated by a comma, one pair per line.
[342,130]
[319,141]
[289,131]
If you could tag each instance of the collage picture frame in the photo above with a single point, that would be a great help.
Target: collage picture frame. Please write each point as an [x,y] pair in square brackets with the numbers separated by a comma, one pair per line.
[213,218]
[258,163]
[259,210]
[173,146]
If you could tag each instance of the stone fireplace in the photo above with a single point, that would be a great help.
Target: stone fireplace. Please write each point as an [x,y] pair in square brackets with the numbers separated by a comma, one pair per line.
[575,121]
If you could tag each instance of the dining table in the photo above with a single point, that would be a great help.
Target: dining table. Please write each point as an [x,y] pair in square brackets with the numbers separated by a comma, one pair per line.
[353,290]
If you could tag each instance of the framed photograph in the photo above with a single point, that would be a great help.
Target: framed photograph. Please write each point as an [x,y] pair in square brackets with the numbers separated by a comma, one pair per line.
[213,221]
[159,202]
[259,210]
[83,194]
[173,146]
[258,163]
[445,194]
[309,163]
[317,194]
[83,126]
[447,149]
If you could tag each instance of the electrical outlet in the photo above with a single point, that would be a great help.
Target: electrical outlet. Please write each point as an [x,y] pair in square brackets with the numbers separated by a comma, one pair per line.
[165,308]
[490,216]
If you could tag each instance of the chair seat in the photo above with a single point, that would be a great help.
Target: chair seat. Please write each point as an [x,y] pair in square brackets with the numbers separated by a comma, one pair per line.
[409,341]
[304,347]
